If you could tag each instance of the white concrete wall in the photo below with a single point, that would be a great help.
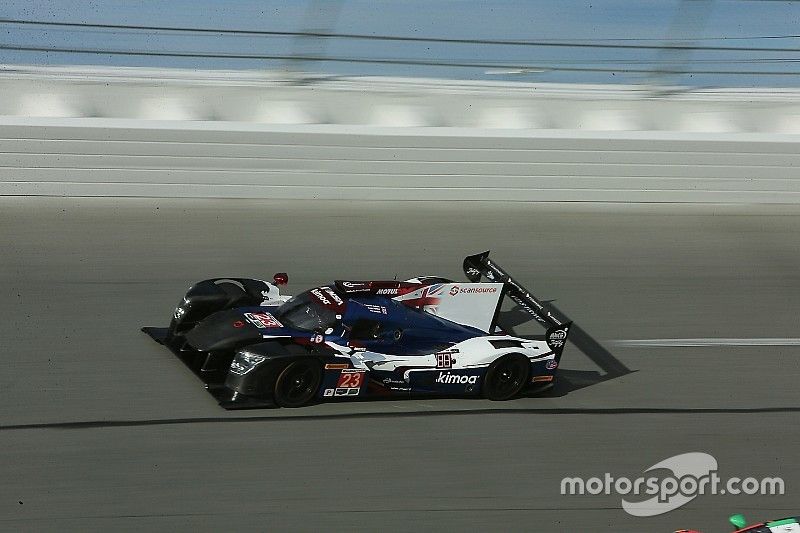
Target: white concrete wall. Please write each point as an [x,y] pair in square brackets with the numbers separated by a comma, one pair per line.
[277,98]
[91,157]
[132,132]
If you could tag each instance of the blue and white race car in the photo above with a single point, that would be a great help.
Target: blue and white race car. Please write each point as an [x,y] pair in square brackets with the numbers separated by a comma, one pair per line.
[254,347]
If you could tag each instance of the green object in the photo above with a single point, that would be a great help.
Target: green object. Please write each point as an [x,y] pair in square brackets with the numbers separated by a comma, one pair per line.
[738,521]
[784,522]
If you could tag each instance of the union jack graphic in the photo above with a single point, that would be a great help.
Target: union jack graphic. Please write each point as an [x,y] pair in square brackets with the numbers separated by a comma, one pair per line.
[423,297]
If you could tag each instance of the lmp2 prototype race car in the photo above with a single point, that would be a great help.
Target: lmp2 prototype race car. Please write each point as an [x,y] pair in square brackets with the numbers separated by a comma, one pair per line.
[353,339]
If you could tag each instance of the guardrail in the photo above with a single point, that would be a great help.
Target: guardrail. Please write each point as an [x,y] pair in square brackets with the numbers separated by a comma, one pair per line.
[129,132]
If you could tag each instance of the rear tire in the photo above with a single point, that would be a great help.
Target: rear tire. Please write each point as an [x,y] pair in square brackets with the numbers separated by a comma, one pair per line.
[298,383]
[506,377]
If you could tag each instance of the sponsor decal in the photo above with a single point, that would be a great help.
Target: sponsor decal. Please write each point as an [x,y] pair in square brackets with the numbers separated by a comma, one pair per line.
[537,379]
[472,271]
[238,324]
[460,379]
[478,290]
[379,309]
[336,366]
[472,290]
[551,365]
[316,339]
[263,320]
[328,392]
[390,381]
[334,296]
[354,286]
[523,304]
[557,338]
[387,291]
[346,392]
[490,275]
[351,379]
[321,297]
[444,360]
[179,312]
[244,362]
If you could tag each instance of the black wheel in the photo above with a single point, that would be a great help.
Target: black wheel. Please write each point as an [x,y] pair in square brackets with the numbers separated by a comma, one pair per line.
[506,377]
[298,383]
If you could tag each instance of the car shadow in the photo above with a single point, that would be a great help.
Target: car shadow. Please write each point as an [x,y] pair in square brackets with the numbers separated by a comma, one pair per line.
[569,380]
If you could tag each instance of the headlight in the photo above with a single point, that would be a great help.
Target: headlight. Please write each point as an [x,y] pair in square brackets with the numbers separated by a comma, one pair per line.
[245,362]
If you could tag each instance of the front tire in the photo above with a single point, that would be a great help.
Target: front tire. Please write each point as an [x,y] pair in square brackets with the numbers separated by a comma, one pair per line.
[506,377]
[298,383]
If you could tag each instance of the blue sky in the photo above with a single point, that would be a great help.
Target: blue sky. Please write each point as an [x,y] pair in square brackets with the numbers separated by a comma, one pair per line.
[528,20]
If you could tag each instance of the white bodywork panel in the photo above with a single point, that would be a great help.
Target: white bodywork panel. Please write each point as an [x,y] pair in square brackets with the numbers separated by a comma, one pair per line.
[472,353]
[469,304]
[272,296]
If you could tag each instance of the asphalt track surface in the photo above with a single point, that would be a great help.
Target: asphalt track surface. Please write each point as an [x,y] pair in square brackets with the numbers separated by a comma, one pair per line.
[102,429]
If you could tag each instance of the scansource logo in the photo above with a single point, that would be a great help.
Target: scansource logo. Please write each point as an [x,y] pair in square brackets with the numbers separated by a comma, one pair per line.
[690,475]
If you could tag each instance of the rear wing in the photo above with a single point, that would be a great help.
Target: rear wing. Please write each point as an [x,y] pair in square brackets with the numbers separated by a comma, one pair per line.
[546,314]
[479,265]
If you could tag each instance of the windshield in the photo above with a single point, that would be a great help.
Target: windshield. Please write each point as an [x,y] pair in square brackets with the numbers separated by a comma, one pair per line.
[301,312]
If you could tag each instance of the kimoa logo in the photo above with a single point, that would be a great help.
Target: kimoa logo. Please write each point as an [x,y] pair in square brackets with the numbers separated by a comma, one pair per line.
[447,377]
[320,297]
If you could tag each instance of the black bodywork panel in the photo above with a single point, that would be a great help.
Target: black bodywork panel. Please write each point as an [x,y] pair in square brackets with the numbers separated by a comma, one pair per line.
[214,380]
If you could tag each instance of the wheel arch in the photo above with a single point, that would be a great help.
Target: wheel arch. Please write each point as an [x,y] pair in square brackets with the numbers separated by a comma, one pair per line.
[276,354]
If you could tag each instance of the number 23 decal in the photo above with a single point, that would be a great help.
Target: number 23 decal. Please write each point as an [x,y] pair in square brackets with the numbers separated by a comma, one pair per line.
[350,380]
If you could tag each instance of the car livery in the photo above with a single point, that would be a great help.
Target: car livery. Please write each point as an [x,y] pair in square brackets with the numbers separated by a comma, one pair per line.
[353,339]
[784,525]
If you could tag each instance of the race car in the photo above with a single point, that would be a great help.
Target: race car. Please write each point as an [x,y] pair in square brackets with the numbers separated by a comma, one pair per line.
[254,347]
[738,521]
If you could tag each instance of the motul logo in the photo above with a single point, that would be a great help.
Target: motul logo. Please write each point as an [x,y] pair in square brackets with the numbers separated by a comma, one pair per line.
[387,291]
[447,377]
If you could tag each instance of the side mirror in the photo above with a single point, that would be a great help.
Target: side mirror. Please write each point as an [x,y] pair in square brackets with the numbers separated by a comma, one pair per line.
[281,278]
[738,521]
